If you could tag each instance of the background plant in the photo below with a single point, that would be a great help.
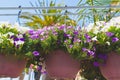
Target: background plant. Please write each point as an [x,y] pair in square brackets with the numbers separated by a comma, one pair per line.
[95,14]
[49,17]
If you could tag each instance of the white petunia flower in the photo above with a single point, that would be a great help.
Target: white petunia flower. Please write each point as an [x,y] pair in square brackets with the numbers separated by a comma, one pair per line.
[10,33]
[20,36]
[94,28]
[4,35]
[108,43]
[19,42]
[5,24]
[94,38]
[42,33]
[11,41]
[21,29]
[1,40]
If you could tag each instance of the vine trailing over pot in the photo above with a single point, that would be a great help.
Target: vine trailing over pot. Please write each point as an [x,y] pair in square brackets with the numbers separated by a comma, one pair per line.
[107,36]
[13,40]
[76,42]
[15,49]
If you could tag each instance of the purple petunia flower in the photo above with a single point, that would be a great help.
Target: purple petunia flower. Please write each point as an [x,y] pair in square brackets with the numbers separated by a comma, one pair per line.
[109,34]
[22,39]
[102,56]
[55,33]
[61,27]
[42,39]
[36,53]
[76,40]
[58,41]
[31,32]
[16,39]
[39,67]
[96,64]
[94,49]
[88,38]
[84,49]
[69,27]
[115,39]
[42,33]
[70,46]
[65,41]
[65,35]
[75,32]
[89,52]
[39,31]
[35,36]
[70,37]
[12,37]
[44,72]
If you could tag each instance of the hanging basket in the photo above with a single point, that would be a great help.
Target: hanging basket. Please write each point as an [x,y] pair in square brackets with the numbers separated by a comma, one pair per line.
[11,66]
[111,70]
[61,65]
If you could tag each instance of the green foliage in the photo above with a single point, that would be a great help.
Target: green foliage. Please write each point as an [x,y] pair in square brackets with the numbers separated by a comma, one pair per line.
[89,71]
[13,41]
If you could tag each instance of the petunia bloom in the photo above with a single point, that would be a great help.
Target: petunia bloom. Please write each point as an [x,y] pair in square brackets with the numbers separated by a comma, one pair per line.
[31,32]
[88,38]
[35,36]
[36,53]
[75,32]
[89,52]
[61,27]
[102,56]
[109,34]
[96,64]
[115,39]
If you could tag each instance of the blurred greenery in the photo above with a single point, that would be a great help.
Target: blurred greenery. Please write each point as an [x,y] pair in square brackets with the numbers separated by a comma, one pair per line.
[95,14]
[38,21]
[89,71]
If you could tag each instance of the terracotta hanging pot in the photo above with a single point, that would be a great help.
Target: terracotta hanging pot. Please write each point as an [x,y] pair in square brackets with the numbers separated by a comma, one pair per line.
[111,70]
[61,65]
[11,66]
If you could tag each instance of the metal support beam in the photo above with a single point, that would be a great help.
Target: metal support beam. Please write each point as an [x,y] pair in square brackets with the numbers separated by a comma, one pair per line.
[68,7]
[51,14]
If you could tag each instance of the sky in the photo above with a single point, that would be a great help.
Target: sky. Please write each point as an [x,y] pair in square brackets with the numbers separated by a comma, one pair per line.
[23,3]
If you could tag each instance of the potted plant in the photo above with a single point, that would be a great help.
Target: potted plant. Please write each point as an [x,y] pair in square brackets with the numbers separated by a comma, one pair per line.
[14,50]
[61,48]
[107,49]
